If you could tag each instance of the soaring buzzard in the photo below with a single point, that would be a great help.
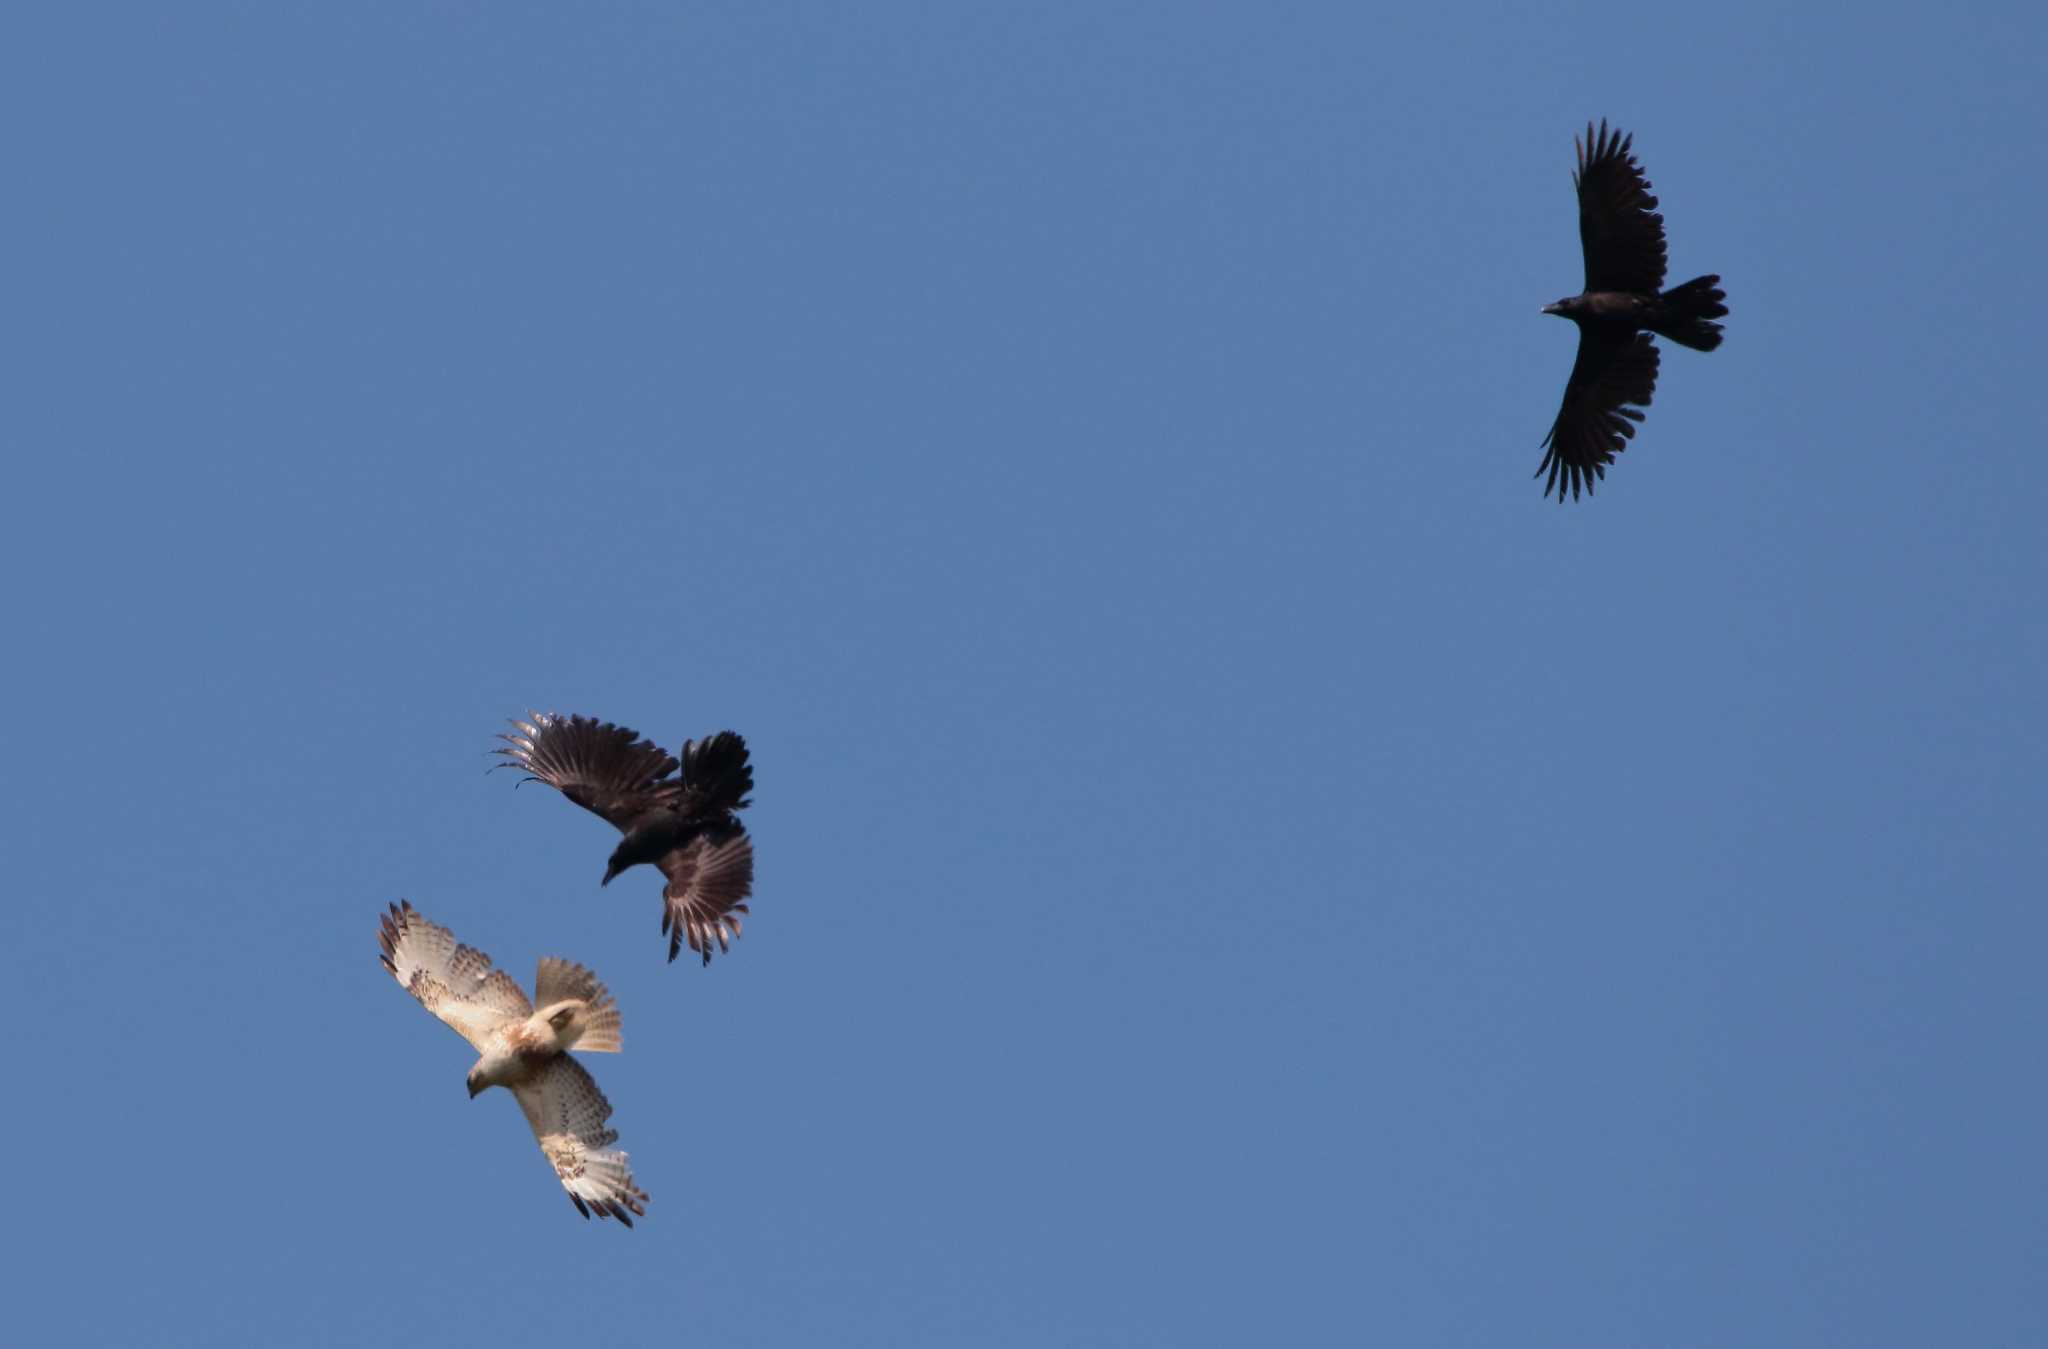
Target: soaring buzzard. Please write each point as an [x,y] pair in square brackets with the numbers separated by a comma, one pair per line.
[523,1049]
[683,824]
[1623,237]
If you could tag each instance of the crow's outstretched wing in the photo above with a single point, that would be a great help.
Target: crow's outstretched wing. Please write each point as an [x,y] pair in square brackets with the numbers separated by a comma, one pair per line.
[1596,423]
[606,769]
[709,879]
[1618,222]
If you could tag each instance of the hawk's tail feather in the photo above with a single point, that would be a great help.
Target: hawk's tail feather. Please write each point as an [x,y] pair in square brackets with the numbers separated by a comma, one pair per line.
[601,1033]
[561,980]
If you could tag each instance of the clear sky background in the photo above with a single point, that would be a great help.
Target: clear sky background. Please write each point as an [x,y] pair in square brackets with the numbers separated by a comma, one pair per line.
[1236,864]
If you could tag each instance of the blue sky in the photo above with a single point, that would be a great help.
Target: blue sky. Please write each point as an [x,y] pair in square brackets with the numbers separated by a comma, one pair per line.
[1236,865]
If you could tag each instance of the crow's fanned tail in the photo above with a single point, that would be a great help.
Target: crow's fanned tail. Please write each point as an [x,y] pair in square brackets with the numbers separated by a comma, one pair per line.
[716,774]
[1688,308]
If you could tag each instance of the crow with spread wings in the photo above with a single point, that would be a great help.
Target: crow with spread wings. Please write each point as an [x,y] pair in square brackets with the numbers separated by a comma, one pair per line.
[1623,236]
[682,822]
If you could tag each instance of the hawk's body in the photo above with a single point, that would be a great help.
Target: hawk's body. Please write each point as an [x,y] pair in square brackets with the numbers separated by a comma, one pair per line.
[678,815]
[1623,302]
[524,1050]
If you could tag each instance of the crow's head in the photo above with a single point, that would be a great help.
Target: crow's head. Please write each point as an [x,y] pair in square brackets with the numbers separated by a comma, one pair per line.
[1565,308]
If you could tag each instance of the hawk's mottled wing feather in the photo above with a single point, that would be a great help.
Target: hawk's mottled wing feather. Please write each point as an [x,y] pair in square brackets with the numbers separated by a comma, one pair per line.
[454,982]
[567,1113]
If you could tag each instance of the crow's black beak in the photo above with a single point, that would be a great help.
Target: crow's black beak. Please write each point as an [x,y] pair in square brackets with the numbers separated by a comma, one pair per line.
[1550,309]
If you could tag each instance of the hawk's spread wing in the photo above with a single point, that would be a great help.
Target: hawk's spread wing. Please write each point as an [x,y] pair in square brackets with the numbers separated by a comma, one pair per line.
[1618,222]
[1595,424]
[567,1113]
[709,879]
[454,982]
[606,769]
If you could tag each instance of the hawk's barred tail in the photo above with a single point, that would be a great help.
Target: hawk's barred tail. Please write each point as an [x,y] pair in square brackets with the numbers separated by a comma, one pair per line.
[560,980]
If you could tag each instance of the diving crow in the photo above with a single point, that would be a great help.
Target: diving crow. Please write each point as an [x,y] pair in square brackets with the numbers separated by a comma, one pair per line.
[1623,237]
[683,824]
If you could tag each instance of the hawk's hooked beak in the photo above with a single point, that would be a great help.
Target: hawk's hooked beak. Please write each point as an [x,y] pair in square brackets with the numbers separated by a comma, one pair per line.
[474,1087]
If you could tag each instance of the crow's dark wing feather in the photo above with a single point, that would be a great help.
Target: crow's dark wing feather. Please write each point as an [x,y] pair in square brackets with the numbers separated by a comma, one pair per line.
[1618,222]
[1595,423]
[709,879]
[606,769]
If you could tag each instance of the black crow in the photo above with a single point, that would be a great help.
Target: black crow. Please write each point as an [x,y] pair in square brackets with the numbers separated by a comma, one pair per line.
[1624,241]
[683,824]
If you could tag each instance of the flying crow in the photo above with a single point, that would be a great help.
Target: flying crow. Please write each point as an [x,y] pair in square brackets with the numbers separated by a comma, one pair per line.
[683,824]
[1623,237]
